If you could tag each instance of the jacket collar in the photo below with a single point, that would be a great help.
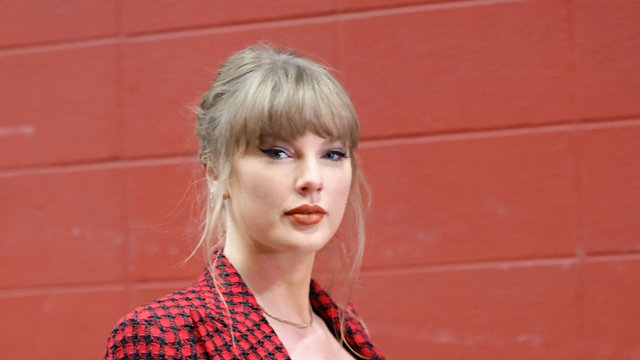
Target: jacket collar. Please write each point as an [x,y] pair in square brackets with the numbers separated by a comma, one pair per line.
[243,312]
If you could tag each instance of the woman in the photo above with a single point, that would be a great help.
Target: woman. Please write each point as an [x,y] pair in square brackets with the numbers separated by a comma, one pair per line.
[277,138]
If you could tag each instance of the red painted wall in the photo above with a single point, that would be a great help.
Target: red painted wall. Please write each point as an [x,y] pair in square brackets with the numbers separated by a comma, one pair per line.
[501,140]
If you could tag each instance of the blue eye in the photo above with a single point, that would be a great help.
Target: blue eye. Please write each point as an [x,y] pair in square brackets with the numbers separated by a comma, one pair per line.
[335,155]
[274,153]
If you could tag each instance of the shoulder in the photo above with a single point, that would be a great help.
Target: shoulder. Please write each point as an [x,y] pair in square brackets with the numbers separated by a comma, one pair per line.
[161,329]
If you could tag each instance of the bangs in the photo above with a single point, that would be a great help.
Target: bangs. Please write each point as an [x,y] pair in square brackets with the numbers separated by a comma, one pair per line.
[284,101]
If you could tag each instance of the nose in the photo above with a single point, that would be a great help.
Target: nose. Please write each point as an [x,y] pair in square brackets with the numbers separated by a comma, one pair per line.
[309,180]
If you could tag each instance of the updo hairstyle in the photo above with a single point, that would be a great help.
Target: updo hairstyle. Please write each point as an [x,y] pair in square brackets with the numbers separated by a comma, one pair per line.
[264,93]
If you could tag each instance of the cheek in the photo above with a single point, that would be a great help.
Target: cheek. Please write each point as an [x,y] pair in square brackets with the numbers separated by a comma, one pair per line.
[345,188]
[341,188]
[255,193]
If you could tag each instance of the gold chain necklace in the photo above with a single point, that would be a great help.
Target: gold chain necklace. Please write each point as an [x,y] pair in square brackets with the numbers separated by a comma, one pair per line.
[284,321]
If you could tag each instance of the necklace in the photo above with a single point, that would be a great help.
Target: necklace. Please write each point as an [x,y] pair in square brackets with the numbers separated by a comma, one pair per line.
[284,321]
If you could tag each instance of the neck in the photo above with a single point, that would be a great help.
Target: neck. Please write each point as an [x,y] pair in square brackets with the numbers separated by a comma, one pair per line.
[279,280]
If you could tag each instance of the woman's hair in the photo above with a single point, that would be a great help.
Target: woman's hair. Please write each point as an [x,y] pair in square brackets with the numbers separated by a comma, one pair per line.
[263,93]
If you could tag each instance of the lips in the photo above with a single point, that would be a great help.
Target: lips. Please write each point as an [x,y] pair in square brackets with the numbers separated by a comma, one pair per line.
[306,214]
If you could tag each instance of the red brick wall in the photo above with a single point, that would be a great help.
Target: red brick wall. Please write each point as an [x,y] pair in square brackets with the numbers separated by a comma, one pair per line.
[501,140]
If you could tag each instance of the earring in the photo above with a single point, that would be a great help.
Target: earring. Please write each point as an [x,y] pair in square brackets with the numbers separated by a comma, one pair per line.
[211,195]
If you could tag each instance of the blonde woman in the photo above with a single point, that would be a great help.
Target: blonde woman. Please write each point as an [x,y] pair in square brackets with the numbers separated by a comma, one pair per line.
[277,138]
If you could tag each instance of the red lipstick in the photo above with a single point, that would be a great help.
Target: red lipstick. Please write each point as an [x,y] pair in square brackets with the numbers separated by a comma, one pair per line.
[306,214]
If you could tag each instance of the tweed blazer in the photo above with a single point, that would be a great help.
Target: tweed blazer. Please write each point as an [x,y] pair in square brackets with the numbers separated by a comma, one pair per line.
[194,323]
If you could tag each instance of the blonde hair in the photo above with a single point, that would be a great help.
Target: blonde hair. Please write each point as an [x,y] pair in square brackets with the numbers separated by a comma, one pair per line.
[261,93]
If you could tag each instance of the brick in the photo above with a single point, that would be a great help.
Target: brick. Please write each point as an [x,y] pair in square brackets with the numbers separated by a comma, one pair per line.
[465,198]
[510,311]
[389,4]
[145,16]
[33,21]
[610,169]
[152,15]
[162,79]
[460,67]
[608,57]
[65,228]
[59,106]
[164,220]
[142,295]
[59,326]
[611,312]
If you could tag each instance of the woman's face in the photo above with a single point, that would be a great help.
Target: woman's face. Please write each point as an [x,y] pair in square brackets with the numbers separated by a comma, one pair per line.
[289,196]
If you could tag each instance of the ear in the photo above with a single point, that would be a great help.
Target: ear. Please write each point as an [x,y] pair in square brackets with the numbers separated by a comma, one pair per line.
[212,182]
[208,174]
[207,169]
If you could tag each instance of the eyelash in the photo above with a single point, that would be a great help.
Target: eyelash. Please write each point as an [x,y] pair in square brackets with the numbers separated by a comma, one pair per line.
[335,155]
[274,153]
[278,154]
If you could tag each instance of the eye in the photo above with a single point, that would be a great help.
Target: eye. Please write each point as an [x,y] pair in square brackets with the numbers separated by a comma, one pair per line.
[275,153]
[335,155]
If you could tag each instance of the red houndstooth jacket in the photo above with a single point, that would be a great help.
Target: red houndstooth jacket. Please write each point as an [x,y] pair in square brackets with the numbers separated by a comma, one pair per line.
[193,323]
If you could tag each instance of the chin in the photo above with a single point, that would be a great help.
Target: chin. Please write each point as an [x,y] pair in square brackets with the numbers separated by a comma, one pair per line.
[306,242]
